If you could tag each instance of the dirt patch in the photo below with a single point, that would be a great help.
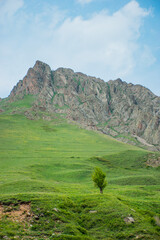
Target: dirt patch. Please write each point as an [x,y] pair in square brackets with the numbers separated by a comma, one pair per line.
[1,211]
[22,213]
[153,161]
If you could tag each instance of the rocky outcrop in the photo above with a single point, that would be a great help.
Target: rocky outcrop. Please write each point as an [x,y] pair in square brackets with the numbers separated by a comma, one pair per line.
[114,107]
[38,79]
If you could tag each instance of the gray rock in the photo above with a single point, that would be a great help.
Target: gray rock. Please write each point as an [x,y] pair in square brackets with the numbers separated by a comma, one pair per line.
[93,211]
[157,220]
[114,107]
[56,209]
[129,220]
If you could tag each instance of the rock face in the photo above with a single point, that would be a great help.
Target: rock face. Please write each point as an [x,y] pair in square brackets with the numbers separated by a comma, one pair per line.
[38,79]
[114,107]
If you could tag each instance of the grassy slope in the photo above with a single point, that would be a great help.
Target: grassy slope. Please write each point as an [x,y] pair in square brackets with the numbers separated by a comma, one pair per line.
[50,164]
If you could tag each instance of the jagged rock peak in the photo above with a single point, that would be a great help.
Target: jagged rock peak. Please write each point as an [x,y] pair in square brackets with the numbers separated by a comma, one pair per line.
[65,70]
[37,77]
[117,81]
[41,66]
[116,106]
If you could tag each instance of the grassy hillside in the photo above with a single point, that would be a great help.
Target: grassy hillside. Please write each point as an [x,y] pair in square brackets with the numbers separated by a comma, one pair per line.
[46,191]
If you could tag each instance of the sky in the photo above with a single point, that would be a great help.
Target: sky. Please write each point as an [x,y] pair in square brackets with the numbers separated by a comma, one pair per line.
[108,39]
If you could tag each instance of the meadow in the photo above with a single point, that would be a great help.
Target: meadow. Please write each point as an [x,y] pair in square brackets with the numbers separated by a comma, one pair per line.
[46,166]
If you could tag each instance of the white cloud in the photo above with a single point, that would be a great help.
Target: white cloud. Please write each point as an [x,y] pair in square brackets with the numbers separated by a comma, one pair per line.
[84,1]
[8,8]
[103,45]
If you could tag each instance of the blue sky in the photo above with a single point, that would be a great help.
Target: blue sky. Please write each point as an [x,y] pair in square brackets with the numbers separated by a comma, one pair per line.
[103,38]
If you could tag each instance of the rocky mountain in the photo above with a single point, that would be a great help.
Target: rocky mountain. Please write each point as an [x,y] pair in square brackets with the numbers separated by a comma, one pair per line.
[128,112]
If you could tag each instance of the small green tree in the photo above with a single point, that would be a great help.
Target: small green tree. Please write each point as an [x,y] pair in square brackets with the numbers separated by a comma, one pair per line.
[98,178]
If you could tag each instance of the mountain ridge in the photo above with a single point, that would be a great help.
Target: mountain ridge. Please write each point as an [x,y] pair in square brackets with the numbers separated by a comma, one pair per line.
[122,110]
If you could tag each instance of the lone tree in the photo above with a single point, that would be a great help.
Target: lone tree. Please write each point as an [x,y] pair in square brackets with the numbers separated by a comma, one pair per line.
[98,178]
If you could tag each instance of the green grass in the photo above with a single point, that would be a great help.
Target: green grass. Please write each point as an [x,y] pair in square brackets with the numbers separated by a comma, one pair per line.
[19,104]
[49,164]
